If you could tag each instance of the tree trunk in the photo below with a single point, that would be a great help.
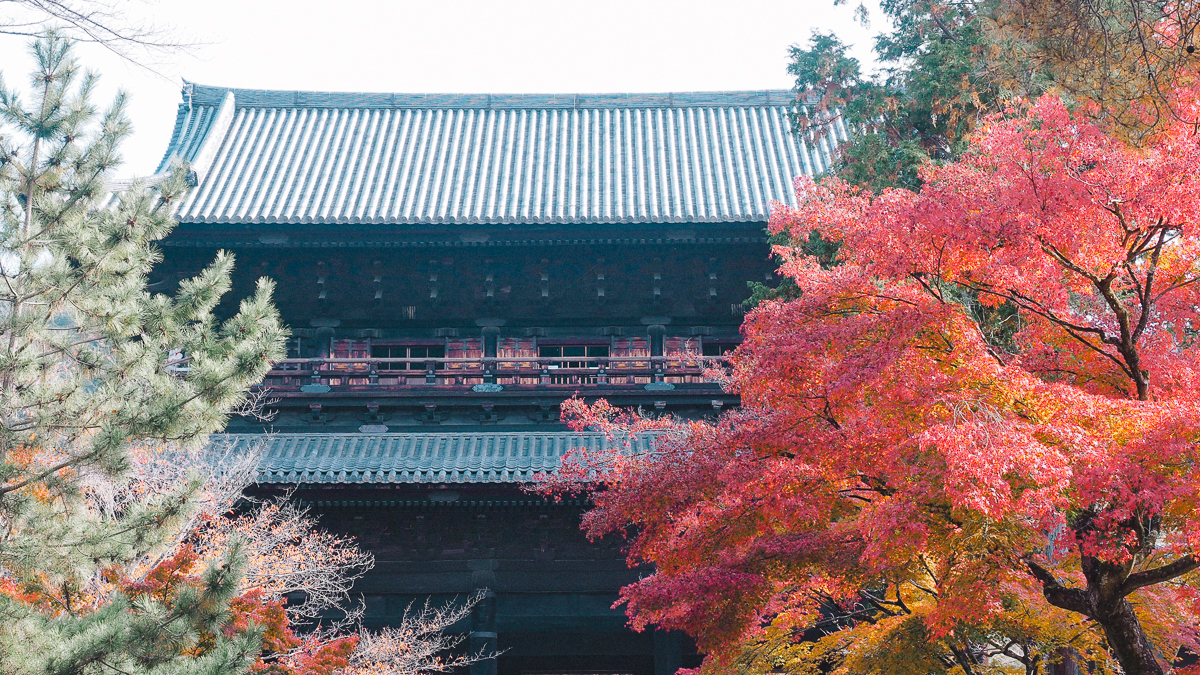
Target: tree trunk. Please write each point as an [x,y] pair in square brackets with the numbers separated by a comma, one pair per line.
[1127,640]
[1103,601]
[1067,663]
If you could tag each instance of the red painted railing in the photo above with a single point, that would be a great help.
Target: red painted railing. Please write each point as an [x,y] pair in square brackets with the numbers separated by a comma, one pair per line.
[516,372]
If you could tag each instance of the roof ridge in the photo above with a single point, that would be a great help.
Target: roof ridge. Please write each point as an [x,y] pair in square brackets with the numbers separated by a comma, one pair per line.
[358,435]
[206,95]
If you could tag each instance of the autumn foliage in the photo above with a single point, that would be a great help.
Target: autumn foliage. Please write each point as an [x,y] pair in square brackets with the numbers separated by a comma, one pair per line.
[284,652]
[262,577]
[971,446]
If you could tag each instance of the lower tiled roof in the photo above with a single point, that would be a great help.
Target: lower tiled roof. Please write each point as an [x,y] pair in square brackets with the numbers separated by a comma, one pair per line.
[485,457]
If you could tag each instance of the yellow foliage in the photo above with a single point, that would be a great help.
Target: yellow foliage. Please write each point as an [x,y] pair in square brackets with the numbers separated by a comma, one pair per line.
[1125,56]
[1026,636]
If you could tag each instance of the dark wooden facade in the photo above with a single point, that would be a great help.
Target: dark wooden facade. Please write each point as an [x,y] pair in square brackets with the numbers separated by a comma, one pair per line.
[550,592]
[660,302]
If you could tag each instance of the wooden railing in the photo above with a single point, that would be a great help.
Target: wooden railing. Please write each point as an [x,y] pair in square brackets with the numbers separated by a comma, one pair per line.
[518,372]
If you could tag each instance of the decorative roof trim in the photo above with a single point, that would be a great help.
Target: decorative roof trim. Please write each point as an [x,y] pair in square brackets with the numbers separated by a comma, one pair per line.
[216,135]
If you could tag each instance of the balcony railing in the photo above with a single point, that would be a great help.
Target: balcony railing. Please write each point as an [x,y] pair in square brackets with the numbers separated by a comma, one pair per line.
[508,372]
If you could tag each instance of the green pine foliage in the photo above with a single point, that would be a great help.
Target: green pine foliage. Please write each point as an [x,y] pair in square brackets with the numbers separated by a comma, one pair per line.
[936,85]
[85,378]
[945,65]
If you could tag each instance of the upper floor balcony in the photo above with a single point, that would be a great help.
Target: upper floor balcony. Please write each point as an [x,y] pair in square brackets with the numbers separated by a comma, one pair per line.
[358,366]
[485,373]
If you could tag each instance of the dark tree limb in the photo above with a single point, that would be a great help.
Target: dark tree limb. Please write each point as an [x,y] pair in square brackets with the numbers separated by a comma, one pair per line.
[1063,597]
[1159,574]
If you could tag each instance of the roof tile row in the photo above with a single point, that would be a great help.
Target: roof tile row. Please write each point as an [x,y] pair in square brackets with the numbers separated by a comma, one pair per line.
[496,457]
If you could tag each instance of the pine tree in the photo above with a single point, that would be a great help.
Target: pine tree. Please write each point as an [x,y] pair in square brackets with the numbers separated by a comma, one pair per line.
[86,376]
[939,80]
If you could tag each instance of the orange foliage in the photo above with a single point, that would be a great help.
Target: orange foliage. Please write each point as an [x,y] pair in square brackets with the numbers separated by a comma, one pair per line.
[32,594]
[163,581]
[283,651]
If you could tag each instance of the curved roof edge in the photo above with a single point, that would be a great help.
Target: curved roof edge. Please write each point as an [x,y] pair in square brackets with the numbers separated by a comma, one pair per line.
[199,94]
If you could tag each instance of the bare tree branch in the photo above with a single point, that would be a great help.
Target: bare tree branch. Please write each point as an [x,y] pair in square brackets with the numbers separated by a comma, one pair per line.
[419,645]
[288,555]
[107,23]
[1070,599]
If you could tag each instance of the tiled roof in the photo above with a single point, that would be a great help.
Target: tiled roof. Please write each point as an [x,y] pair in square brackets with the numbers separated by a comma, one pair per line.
[488,457]
[308,157]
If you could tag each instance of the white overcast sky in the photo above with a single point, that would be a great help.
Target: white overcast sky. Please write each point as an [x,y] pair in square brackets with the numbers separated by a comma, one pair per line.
[477,46]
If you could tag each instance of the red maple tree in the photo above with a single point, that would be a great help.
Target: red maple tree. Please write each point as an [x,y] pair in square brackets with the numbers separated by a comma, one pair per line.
[980,430]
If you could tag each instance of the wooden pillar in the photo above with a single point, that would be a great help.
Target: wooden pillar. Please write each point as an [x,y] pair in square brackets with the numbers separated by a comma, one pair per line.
[483,618]
[483,634]
[668,652]
[324,339]
[656,334]
[491,336]
[491,340]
